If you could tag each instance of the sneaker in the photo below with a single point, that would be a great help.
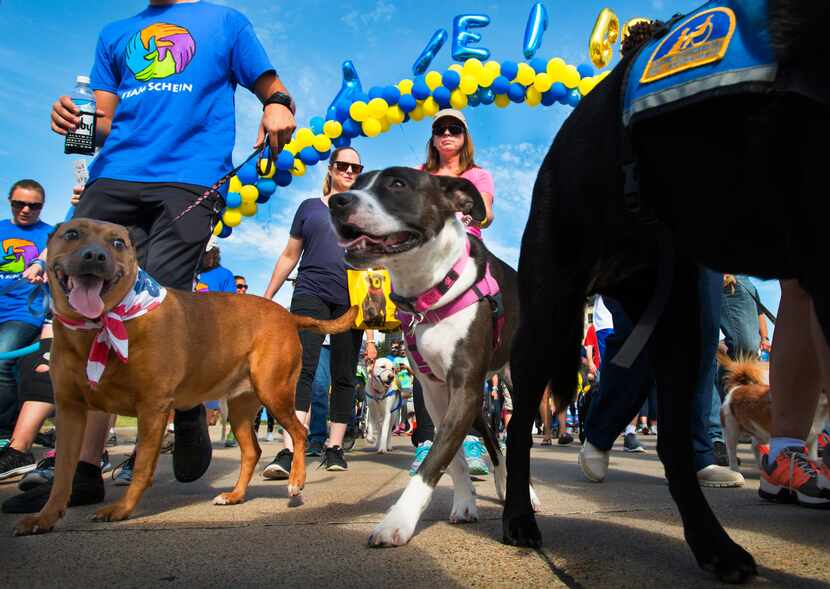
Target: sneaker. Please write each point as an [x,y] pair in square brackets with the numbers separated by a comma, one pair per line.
[348,440]
[333,459]
[87,489]
[652,429]
[644,430]
[230,441]
[593,462]
[822,443]
[269,437]
[106,465]
[546,442]
[717,476]
[474,452]
[565,439]
[15,463]
[123,473]
[192,449]
[632,444]
[280,467]
[167,442]
[46,439]
[792,478]
[421,452]
[721,455]
[112,440]
[4,442]
[314,448]
[44,472]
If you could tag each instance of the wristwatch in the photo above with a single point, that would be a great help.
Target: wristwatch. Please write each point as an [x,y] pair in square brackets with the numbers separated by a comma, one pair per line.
[281,98]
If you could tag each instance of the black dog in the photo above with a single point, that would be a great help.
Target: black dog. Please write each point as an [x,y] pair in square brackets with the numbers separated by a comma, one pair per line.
[734,182]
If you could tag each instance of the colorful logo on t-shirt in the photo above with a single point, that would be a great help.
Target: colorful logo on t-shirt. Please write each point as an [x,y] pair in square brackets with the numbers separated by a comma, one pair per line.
[202,287]
[159,51]
[17,255]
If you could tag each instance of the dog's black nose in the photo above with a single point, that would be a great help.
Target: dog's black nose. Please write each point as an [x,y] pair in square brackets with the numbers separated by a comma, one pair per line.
[342,201]
[93,254]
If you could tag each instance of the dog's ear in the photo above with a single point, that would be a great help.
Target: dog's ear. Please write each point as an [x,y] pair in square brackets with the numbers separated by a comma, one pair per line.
[464,196]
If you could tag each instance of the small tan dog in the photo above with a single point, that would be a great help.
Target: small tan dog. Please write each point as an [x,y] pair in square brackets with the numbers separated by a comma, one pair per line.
[747,408]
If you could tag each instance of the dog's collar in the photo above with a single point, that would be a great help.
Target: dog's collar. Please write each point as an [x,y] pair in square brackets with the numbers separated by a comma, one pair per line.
[146,295]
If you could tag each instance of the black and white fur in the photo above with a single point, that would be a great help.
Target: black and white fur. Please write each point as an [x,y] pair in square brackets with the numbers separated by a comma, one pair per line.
[405,221]
[379,405]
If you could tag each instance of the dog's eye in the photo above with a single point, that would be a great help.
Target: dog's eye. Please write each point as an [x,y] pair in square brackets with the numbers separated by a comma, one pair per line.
[71,235]
[397,183]
[119,244]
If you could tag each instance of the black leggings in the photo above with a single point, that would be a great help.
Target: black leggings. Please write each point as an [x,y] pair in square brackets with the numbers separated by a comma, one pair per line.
[345,348]
[271,421]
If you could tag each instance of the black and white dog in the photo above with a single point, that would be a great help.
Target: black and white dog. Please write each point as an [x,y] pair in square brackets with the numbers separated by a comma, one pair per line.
[405,221]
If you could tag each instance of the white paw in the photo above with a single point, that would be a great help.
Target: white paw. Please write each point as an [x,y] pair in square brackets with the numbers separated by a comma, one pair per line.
[396,529]
[294,490]
[535,502]
[464,510]
[221,500]
[371,439]
[500,476]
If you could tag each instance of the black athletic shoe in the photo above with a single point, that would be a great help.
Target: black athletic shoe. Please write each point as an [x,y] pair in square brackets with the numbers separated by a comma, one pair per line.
[721,455]
[192,449]
[87,489]
[565,439]
[333,459]
[280,467]
[632,444]
[314,448]
[15,463]
[348,440]
[47,439]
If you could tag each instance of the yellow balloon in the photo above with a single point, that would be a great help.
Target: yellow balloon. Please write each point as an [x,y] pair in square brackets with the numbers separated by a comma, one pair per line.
[232,217]
[385,125]
[502,100]
[458,100]
[333,129]
[359,111]
[291,148]
[248,209]
[321,143]
[603,75]
[456,67]
[571,77]
[484,78]
[605,33]
[249,193]
[299,168]
[493,68]
[542,82]
[586,85]
[430,106]
[473,66]
[378,108]
[395,115]
[372,127]
[235,184]
[533,97]
[405,86]
[417,113]
[468,84]
[433,79]
[555,63]
[262,166]
[304,138]
[217,229]
[526,75]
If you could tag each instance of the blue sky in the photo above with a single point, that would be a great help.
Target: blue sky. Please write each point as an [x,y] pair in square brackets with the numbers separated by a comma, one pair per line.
[45,44]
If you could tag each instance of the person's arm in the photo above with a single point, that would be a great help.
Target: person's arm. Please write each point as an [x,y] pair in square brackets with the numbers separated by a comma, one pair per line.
[277,120]
[36,272]
[285,264]
[488,207]
[66,116]
[762,330]
[371,350]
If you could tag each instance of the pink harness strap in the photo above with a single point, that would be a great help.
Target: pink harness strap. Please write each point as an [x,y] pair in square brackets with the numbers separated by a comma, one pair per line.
[485,289]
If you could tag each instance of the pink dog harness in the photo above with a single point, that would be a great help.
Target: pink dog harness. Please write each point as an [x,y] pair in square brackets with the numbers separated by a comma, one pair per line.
[485,289]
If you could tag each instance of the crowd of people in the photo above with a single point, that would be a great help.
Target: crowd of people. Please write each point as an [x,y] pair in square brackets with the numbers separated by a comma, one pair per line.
[611,401]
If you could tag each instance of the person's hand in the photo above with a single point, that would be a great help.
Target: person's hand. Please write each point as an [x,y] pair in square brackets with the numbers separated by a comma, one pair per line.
[371,352]
[278,121]
[765,345]
[35,274]
[76,195]
[66,115]
[467,220]
[730,282]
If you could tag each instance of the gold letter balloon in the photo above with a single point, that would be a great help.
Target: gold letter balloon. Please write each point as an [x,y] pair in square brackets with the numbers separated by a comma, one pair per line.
[605,34]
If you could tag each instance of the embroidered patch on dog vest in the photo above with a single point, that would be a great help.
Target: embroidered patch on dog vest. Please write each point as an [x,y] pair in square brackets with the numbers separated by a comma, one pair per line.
[701,39]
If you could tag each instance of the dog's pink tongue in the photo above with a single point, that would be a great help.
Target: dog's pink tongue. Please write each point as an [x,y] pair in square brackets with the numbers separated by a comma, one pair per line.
[85,296]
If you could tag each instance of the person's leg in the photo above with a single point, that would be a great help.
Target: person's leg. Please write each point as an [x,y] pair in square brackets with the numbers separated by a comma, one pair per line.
[344,351]
[710,298]
[318,430]
[739,319]
[424,428]
[13,336]
[31,418]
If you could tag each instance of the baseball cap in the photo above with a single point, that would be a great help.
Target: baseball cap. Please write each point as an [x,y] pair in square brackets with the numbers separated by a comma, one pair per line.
[451,113]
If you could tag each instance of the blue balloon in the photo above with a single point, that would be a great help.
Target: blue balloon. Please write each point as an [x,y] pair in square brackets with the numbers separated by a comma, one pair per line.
[350,87]
[500,85]
[375,92]
[266,187]
[420,90]
[248,174]
[537,24]
[226,232]
[574,97]
[342,141]
[509,69]
[516,92]
[283,177]
[548,99]
[434,45]
[332,114]
[558,90]
[462,37]
[316,124]
[539,65]
[441,96]
[407,103]
[233,200]
[262,199]
[324,155]
[486,95]
[451,79]
[309,156]
[473,100]
[351,128]
[585,70]
[285,160]
[343,110]
[391,95]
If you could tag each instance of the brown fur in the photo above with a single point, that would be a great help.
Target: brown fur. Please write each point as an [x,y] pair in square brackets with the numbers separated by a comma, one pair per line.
[192,348]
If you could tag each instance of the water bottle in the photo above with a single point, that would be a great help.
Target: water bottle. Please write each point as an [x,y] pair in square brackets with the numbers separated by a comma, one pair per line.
[82,140]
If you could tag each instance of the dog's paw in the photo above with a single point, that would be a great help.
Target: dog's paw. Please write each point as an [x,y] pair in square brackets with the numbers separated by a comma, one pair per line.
[114,512]
[295,490]
[396,529]
[535,502]
[228,499]
[521,530]
[731,564]
[34,524]
[464,511]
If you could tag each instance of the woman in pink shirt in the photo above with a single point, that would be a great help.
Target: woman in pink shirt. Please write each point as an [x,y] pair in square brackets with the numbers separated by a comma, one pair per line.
[450,153]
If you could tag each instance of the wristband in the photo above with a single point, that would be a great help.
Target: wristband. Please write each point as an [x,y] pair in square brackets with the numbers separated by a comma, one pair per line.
[40,263]
[280,98]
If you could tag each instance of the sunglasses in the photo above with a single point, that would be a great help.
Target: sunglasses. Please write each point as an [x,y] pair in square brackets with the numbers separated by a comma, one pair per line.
[453,128]
[343,166]
[19,205]
[241,287]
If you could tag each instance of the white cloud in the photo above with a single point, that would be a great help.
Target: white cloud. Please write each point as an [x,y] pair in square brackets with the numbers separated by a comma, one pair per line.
[658,4]
[360,20]
[506,253]
[514,168]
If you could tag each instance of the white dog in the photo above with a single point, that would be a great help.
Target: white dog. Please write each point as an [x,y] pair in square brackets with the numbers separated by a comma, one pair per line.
[381,399]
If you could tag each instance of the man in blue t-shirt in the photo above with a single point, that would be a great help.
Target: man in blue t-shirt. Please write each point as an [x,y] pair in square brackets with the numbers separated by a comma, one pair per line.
[164,83]
[23,238]
[214,277]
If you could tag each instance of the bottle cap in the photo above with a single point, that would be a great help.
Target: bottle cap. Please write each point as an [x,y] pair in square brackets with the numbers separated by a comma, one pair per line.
[82,79]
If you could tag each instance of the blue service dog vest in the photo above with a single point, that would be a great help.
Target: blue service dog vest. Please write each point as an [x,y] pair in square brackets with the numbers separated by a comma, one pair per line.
[721,47]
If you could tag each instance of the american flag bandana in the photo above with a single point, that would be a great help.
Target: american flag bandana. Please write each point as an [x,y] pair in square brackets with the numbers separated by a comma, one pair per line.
[145,296]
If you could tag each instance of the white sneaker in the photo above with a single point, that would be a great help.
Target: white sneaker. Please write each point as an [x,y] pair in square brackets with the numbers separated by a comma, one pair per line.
[719,477]
[593,462]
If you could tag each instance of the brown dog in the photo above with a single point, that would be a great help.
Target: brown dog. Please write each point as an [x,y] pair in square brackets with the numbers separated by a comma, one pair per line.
[189,349]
